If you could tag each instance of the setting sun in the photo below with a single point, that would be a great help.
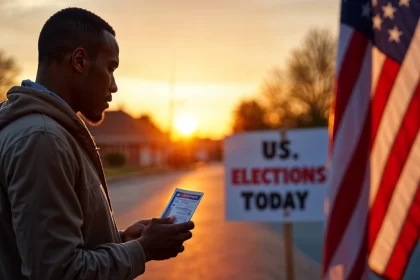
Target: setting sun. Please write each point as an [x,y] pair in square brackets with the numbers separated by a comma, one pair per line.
[186,124]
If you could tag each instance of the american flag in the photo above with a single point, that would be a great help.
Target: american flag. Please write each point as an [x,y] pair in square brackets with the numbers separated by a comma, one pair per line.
[373,204]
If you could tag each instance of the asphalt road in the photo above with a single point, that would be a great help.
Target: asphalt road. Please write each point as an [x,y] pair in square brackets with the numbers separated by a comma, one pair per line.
[219,249]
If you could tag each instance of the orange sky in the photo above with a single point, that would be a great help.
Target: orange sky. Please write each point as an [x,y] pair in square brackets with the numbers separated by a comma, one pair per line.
[223,49]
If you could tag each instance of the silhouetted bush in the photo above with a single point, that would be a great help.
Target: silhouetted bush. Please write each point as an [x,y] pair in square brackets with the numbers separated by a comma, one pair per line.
[115,159]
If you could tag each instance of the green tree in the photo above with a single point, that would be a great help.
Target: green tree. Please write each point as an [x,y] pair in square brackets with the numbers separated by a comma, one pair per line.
[300,95]
[9,71]
[249,115]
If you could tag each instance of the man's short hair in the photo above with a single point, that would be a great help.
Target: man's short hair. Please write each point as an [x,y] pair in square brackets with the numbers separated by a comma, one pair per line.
[69,29]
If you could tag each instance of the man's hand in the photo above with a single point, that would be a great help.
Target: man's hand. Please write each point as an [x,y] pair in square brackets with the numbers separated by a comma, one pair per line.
[163,240]
[134,231]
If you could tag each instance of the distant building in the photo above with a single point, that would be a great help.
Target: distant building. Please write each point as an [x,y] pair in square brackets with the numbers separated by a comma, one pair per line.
[140,140]
[207,149]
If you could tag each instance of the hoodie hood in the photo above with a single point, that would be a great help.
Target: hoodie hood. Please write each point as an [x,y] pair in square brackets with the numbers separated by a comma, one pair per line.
[22,101]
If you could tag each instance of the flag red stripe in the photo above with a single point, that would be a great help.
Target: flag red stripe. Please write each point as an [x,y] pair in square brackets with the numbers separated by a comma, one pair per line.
[392,171]
[407,241]
[383,89]
[399,153]
[385,83]
[349,73]
[347,195]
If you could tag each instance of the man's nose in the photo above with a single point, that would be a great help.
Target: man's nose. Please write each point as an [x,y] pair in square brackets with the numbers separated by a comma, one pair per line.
[114,87]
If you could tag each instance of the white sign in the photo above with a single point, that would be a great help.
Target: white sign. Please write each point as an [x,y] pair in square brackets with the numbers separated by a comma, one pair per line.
[273,180]
[182,205]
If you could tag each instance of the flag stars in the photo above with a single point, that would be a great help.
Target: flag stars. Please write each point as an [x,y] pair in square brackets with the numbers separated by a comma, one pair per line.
[377,22]
[389,11]
[394,35]
[405,3]
[366,10]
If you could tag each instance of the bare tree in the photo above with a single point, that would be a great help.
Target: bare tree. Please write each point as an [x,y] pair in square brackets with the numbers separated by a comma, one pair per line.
[301,95]
[249,115]
[9,71]
[276,96]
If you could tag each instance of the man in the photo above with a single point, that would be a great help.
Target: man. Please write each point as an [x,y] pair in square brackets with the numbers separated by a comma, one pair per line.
[56,219]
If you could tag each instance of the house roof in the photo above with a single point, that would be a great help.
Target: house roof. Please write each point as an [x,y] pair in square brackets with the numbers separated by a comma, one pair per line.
[118,127]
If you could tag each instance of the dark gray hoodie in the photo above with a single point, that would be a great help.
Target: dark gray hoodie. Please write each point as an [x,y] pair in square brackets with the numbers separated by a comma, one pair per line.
[56,219]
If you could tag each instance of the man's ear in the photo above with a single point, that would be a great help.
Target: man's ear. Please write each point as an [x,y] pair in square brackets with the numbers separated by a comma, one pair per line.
[79,60]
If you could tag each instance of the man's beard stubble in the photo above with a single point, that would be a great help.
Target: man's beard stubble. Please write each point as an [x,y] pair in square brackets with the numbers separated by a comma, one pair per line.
[92,120]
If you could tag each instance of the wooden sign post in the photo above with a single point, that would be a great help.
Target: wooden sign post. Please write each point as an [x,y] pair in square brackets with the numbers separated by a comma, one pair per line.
[288,238]
[288,250]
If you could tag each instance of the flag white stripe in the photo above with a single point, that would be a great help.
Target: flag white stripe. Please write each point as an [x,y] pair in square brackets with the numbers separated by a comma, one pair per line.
[347,135]
[400,97]
[402,199]
[335,272]
[347,138]
[350,245]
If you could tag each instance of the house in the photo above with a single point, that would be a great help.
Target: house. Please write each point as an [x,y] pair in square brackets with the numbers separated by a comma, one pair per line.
[207,149]
[196,150]
[139,139]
